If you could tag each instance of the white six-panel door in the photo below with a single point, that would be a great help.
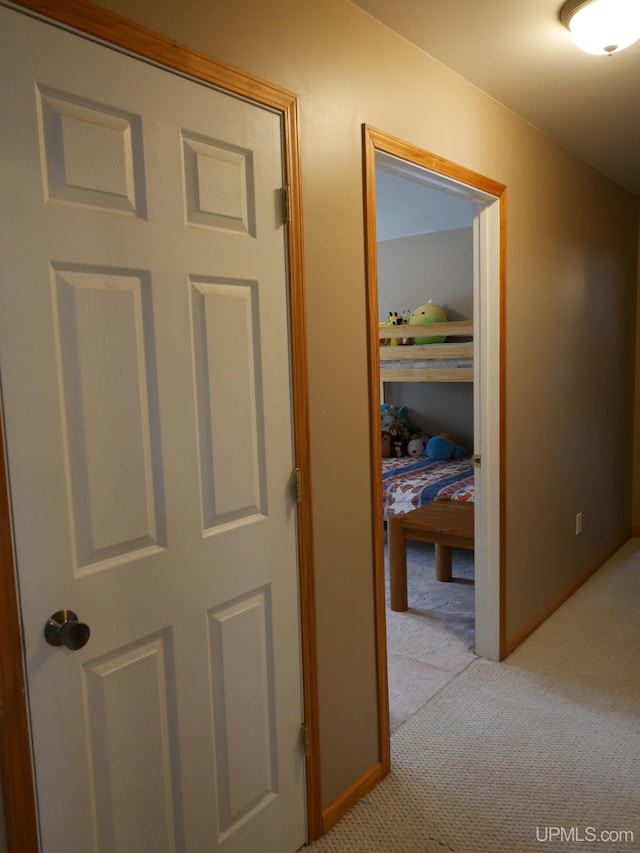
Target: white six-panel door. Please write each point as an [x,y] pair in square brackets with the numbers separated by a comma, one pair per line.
[145,371]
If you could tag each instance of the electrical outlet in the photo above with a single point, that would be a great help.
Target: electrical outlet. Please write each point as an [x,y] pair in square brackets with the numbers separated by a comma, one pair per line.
[578,523]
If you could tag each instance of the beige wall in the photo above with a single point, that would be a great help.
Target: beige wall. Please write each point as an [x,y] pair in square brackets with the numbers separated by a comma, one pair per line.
[571,263]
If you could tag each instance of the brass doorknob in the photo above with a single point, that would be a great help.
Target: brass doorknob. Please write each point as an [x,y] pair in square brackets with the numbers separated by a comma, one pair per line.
[64,629]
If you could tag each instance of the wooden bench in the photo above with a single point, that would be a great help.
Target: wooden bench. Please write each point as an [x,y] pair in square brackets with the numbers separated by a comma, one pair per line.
[446,524]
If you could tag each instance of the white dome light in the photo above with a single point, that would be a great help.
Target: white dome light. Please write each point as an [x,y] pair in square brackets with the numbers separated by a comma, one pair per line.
[602,26]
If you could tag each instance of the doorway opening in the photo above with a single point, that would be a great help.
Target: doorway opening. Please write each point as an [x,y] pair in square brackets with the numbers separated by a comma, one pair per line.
[470,210]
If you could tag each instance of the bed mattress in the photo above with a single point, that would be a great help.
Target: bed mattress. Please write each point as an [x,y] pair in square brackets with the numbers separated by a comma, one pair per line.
[409,483]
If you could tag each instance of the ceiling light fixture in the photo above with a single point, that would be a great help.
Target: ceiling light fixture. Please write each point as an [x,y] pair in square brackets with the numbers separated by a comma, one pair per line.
[602,26]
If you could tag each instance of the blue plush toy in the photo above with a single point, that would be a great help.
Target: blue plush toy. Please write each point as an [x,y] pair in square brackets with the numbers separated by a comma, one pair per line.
[442,447]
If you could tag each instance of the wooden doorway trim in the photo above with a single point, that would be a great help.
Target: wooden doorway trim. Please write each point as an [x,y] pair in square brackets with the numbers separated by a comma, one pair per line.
[16,769]
[377,141]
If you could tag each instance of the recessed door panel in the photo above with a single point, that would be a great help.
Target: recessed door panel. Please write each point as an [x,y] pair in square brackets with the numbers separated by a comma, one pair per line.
[130,707]
[219,189]
[231,426]
[106,352]
[241,635]
[92,154]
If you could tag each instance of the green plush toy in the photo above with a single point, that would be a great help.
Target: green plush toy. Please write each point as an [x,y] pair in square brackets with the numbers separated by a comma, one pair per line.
[428,313]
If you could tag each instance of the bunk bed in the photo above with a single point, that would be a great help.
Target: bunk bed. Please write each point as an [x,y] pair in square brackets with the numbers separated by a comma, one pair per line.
[409,483]
[451,361]
[413,487]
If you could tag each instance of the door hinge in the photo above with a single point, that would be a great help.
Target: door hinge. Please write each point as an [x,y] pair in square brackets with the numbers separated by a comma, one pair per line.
[286,204]
[477,460]
[298,485]
[306,739]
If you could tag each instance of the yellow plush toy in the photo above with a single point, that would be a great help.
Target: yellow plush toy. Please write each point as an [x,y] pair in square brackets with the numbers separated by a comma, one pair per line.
[394,320]
[428,313]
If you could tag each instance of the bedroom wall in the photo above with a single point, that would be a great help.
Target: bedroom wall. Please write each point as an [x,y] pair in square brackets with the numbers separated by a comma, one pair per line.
[412,270]
[571,263]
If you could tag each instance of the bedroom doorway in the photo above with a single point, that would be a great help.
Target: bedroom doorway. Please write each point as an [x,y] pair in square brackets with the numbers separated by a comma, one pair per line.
[475,204]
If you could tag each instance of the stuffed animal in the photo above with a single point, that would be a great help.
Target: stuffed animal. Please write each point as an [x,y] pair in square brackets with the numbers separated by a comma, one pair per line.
[417,446]
[444,447]
[394,320]
[399,436]
[405,319]
[428,313]
[397,432]
[391,415]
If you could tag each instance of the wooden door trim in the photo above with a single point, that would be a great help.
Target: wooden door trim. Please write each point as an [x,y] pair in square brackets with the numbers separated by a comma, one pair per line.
[15,744]
[373,141]
[16,770]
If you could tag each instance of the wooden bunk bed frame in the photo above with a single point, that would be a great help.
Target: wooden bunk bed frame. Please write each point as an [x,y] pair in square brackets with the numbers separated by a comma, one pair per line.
[448,523]
[407,354]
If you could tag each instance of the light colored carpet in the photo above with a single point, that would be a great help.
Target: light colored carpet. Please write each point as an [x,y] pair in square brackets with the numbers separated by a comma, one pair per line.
[540,752]
[432,641]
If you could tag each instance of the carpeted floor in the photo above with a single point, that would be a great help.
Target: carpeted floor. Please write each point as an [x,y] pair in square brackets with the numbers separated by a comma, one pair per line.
[540,751]
[432,641]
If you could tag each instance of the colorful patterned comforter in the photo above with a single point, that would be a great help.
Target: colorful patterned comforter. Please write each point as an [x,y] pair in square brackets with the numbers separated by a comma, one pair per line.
[409,483]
